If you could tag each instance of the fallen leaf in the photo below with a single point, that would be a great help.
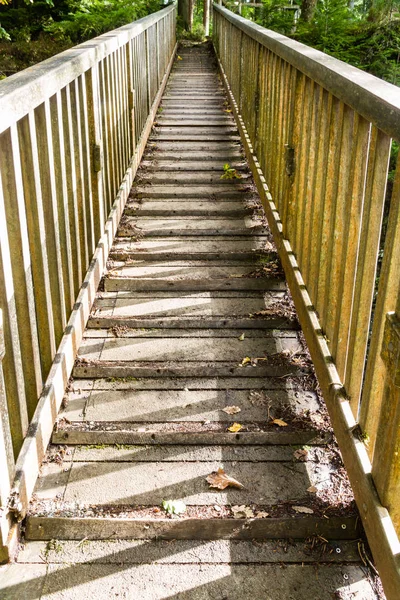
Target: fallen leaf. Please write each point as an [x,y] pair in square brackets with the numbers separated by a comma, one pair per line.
[246,361]
[231,410]
[300,454]
[241,337]
[312,489]
[180,58]
[235,427]
[174,507]
[262,514]
[279,422]
[220,480]
[242,512]
[303,509]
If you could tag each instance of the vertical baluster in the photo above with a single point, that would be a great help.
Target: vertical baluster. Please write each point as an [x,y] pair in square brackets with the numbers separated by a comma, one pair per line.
[312,141]
[337,228]
[12,362]
[378,163]
[328,211]
[62,200]
[21,266]
[296,143]
[95,160]
[37,235]
[388,292]
[72,188]
[386,460]
[317,213]
[86,167]
[103,109]
[47,181]
[7,470]
[131,95]
[80,177]
[353,206]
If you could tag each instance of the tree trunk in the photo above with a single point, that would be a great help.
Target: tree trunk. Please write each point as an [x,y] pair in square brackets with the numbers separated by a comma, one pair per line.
[307,10]
[206,17]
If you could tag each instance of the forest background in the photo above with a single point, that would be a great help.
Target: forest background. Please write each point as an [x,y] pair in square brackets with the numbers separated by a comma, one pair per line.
[365,33]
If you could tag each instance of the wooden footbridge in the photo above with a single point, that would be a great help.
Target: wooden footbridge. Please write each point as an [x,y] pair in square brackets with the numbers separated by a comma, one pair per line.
[149,337]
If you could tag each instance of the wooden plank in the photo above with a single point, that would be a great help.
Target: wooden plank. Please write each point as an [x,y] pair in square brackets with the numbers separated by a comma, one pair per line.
[133,436]
[42,528]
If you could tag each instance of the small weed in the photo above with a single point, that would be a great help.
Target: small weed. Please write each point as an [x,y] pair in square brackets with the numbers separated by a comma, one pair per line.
[230,173]
[52,546]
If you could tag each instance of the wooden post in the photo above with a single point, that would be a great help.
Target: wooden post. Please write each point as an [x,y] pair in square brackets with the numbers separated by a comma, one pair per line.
[6,458]
[206,17]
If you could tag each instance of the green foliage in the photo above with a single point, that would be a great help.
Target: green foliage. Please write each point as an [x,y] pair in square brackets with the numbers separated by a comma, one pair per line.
[174,507]
[330,29]
[365,33]
[32,31]
[89,18]
[230,173]
[276,15]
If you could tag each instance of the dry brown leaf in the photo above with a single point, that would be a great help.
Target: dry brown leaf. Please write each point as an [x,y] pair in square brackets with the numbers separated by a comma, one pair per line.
[246,361]
[300,454]
[242,512]
[235,427]
[220,480]
[303,509]
[312,489]
[262,514]
[279,422]
[231,410]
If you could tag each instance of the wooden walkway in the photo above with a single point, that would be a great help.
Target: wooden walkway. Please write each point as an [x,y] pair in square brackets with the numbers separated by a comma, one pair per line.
[192,362]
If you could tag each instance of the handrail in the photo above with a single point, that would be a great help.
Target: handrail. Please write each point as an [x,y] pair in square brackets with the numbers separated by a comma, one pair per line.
[374,99]
[318,134]
[72,131]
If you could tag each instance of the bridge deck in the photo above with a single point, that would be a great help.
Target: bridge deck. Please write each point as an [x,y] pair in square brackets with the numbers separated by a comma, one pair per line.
[192,361]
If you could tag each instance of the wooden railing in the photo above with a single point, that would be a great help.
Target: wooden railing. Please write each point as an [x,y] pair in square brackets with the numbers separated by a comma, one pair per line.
[72,132]
[318,136]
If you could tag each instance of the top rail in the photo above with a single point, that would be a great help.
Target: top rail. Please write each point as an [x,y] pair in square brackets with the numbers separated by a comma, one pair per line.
[376,100]
[24,91]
